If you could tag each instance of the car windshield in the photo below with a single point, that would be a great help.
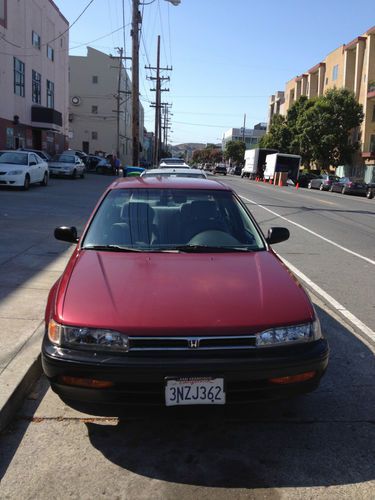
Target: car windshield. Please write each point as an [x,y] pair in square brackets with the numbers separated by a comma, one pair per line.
[64,158]
[172,220]
[13,158]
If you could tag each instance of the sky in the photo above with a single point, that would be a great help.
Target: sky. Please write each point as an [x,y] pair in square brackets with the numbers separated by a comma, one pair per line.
[228,56]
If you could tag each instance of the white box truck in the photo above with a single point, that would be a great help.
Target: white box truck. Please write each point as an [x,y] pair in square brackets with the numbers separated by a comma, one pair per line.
[254,162]
[282,162]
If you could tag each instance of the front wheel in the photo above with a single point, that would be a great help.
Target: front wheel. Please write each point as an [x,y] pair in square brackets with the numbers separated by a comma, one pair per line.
[82,175]
[331,189]
[45,180]
[74,174]
[343,190]
[321,187]
[370,194]
[26,183]
[309,186]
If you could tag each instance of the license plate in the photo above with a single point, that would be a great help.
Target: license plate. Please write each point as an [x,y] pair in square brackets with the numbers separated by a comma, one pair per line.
[194,391]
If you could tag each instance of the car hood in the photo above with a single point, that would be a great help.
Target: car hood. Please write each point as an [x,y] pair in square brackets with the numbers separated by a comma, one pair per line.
[169,294]
[5,167]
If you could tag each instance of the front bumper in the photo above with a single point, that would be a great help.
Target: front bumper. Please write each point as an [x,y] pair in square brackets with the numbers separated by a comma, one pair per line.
[140,379]
[11,180]
[62,173]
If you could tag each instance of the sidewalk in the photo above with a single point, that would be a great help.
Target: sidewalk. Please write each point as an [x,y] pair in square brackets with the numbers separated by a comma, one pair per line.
[25,281]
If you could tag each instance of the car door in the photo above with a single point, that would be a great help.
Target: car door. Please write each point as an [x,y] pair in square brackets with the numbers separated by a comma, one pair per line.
[33,168]
[41,167]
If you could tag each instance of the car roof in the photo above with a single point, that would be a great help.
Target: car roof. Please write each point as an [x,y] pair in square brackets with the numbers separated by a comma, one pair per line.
[172,170]
[169,182]
[18,151]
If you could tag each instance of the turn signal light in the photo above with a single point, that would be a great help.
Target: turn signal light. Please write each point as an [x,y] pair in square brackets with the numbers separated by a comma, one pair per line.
[85,382]
[291,379]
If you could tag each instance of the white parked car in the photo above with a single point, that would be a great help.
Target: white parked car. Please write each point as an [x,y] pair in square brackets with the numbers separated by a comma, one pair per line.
[67,165]
[22,168]
[174,172]
[173,162]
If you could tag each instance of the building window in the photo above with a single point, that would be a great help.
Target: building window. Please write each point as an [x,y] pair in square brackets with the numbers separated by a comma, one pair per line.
[94,79]
[3,13]
[50,94]
[35,40]
[335,72]
[19,77]
[36,87]
[94,110]
[372,143]
[94,136]
[50,53]
[373,113]
[327,80]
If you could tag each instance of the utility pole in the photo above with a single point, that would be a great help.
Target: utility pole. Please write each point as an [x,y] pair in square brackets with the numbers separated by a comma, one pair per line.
[119,101]
[244,126]
[136,20]
[157,105]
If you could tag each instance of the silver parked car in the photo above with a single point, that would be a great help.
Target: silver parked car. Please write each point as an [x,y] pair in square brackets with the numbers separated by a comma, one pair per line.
[322,182]
[67,165]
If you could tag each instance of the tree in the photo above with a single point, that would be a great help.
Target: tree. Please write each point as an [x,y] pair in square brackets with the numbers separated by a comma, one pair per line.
[278,137]
[235,150]
[326,128]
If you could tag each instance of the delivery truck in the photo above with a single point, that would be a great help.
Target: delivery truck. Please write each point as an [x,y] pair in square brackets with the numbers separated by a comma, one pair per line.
[282,162]
[254,162]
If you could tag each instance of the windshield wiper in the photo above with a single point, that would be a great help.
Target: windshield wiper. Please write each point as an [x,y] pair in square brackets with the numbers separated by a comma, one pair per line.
[210,249]
[112,248]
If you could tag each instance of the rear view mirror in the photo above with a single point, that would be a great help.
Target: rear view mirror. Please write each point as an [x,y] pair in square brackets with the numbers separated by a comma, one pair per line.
[277,235]
[68,234]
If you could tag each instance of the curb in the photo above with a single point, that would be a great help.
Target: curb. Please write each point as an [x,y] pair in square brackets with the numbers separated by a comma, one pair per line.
[19,377]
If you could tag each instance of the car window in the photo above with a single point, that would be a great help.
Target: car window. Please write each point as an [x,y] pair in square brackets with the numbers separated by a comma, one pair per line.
[14,158]
[64,158]
[34,158]
[163,219]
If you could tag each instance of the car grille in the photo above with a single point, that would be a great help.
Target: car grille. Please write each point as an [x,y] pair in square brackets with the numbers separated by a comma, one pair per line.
[143,344]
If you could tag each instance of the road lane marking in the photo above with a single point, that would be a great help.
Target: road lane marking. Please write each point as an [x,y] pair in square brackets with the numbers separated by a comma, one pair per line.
[370,261]
[367,332]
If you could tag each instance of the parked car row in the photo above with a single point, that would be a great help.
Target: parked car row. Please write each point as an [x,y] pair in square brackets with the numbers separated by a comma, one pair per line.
[344,185]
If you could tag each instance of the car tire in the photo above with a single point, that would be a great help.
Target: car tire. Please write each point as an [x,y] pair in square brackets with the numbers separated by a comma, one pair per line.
[321,187]
[330,189]
[74,174]
[370,194]
[309,186]
[82,175]
[26,183]
[343,190]
[44,182]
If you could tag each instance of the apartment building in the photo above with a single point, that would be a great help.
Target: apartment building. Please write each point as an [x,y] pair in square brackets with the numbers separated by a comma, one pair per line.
[34,43]
[251,136]
[350,66]
[98,113]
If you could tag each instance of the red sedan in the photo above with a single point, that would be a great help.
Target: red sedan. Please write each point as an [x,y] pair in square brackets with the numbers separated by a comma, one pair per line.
[173,296]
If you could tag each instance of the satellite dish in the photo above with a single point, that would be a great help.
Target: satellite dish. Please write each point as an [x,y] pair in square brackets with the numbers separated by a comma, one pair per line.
[76,101]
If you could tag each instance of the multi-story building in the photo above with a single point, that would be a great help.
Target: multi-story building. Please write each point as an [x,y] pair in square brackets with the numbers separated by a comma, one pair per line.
[34,44]
[100,111]
[251,136]
[351,66]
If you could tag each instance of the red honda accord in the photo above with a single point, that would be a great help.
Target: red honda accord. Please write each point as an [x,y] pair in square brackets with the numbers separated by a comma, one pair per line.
[173,296]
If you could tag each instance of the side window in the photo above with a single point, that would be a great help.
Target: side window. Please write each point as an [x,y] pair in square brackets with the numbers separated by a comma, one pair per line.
[34,158]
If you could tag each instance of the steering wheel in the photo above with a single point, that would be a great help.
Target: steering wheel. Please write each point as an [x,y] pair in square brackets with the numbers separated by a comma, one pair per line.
[213,238]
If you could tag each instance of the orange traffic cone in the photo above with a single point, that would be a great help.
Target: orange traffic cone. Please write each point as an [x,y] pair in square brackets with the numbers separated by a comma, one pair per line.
[297,185]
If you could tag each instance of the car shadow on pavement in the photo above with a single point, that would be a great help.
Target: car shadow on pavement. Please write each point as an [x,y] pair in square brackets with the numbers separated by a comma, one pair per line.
[321,439]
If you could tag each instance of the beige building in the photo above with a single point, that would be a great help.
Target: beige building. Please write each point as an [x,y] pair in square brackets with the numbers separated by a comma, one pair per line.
[34,43]
[350,66]
[94,103]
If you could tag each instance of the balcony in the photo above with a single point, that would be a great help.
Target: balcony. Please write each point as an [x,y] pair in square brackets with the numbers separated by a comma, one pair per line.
[47,116]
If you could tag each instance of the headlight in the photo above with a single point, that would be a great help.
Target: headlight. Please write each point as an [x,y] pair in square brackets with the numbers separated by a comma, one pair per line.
[307,332]
[15,172]
[87,338]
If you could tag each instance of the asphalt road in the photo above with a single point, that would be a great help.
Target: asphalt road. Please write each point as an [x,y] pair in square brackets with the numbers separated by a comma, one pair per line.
[318,446]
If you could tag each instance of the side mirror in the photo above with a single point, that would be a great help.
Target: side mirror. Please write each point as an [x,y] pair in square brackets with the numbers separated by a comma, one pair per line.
[68,234]
[277,235]
[32,163]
